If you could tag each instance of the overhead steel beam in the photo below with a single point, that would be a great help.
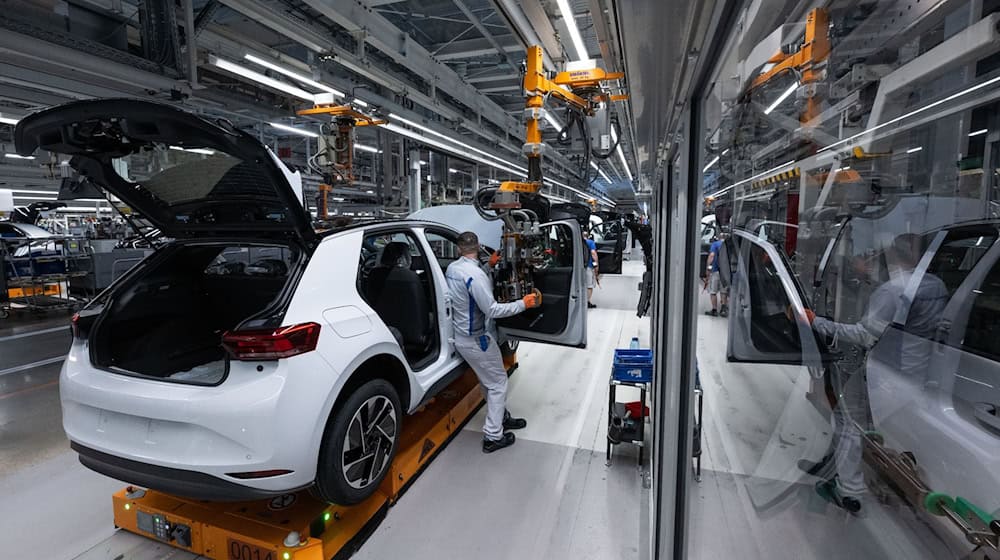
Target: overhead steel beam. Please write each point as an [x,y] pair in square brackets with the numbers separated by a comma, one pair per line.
[29,52]
[470,48]
[493,77]
[524,27]
[377,31]
[474,20]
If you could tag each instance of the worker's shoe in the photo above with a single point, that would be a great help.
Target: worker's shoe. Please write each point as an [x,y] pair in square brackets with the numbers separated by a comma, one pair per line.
[724,311]
[490,445]
[511,423]
[590,305]
[712,313]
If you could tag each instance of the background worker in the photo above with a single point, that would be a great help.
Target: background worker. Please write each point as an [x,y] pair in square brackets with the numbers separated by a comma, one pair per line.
[592,268]
[717,289]
[473,312]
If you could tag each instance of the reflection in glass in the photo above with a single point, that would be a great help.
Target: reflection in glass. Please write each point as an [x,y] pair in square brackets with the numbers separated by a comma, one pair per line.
[852,395]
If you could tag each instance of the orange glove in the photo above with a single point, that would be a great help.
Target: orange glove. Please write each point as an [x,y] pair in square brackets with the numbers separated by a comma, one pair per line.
[494,258]
[534,299]
[810,314]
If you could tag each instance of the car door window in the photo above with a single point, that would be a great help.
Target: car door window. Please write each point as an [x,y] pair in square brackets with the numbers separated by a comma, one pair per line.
[984,318]
[393,280]
[959,254]
[444,248]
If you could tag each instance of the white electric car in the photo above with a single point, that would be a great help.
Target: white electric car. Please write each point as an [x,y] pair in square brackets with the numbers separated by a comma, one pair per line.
[252,356]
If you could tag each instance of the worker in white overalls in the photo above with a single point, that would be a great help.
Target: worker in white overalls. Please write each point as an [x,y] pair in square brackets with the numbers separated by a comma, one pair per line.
[473,312]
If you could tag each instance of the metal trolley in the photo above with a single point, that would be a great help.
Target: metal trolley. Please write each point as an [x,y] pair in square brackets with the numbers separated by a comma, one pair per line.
[37,272]
[634,368]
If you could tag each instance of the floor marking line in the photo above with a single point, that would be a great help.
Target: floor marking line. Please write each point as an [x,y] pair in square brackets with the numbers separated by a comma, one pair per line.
[32,365]
[28,389]
[63,328]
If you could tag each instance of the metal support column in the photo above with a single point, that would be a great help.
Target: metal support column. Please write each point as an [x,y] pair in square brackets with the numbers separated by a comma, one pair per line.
[415,197]
[191,43]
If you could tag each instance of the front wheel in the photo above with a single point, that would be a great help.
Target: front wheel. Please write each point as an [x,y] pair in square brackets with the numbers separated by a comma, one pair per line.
[359,444]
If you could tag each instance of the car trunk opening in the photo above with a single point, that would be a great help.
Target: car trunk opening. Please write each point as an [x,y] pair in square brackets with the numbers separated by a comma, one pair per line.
[168,321]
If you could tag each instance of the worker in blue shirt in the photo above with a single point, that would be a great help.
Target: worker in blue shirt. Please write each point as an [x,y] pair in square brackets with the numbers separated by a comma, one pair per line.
[473,311]
[592,271]
[717,289]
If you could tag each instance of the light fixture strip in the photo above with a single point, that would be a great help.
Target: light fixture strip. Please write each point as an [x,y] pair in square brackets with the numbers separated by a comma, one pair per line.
[293,75]
[294,130]
[259,78]
[574,32]
[781,99]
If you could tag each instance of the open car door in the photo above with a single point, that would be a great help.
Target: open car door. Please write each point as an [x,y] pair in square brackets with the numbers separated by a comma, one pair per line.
[562,317]
[610,238]
[767,320]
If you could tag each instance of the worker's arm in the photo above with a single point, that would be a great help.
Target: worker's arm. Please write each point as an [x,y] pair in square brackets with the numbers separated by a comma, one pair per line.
[480,290]
[711,259]
[881,309]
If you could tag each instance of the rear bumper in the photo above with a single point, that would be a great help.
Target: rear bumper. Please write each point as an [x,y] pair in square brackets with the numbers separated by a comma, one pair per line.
[187,484]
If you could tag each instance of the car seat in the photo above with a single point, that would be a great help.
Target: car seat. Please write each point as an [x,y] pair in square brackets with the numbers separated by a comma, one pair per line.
[397,295]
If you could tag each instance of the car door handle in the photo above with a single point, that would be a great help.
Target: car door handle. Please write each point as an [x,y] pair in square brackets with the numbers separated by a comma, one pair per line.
[986,413]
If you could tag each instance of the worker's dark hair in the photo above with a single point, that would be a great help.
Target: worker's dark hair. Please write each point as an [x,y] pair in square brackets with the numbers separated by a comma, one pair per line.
[908,248]
[468,243]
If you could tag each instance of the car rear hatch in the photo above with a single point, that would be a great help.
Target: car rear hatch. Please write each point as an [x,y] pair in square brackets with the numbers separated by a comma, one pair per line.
[189,176]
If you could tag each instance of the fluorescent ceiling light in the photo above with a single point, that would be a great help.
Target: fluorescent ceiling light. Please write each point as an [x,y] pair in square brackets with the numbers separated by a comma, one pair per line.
[574,31]
[601,171]
[844,168]
[202,151]
[711,163]
[552,120]
[293,75]
[26,191]
[259,78]
[8,120]
[294,130]
[971,134]
[338,199]
[914,150]
[951,97]
[29,197]
[18,156]
[422,162]
[791,89]
[359,103]
[452,170]
[621,154]
[364,148]
[456,150]
[462,146]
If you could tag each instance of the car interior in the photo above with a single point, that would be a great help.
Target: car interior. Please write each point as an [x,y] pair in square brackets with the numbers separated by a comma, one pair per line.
[394,280]
[168,323]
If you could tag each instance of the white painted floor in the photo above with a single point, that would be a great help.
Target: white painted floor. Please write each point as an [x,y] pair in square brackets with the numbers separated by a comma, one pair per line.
[753,502]
[550,496]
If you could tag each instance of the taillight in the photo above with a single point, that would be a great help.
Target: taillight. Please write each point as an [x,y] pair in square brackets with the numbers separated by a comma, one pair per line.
[271,344]
[80,325]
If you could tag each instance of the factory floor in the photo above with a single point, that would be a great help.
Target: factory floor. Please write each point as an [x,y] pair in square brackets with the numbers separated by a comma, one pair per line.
[549,496]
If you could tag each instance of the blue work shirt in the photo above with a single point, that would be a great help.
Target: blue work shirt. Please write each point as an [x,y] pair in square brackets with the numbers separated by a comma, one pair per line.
[591,246]
[472,302]
[714,250]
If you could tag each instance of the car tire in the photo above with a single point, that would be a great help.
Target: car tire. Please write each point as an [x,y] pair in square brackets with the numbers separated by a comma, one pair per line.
[356,453]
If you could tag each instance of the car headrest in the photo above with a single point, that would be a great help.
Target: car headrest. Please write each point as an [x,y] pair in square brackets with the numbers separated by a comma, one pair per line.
[395,254]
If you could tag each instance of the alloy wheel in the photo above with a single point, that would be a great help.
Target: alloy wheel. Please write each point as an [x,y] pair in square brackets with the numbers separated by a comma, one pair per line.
[369,441]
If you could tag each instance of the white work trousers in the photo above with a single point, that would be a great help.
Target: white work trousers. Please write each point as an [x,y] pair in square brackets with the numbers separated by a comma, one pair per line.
[488,365]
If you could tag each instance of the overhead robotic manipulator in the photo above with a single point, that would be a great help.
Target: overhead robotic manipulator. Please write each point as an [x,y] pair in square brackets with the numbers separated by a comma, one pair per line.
[525,246]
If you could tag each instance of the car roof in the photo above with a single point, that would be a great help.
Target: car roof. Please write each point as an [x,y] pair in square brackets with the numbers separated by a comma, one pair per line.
[30,230]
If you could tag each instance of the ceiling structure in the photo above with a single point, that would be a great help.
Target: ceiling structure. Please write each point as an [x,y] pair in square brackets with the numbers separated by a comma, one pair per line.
[446,73]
